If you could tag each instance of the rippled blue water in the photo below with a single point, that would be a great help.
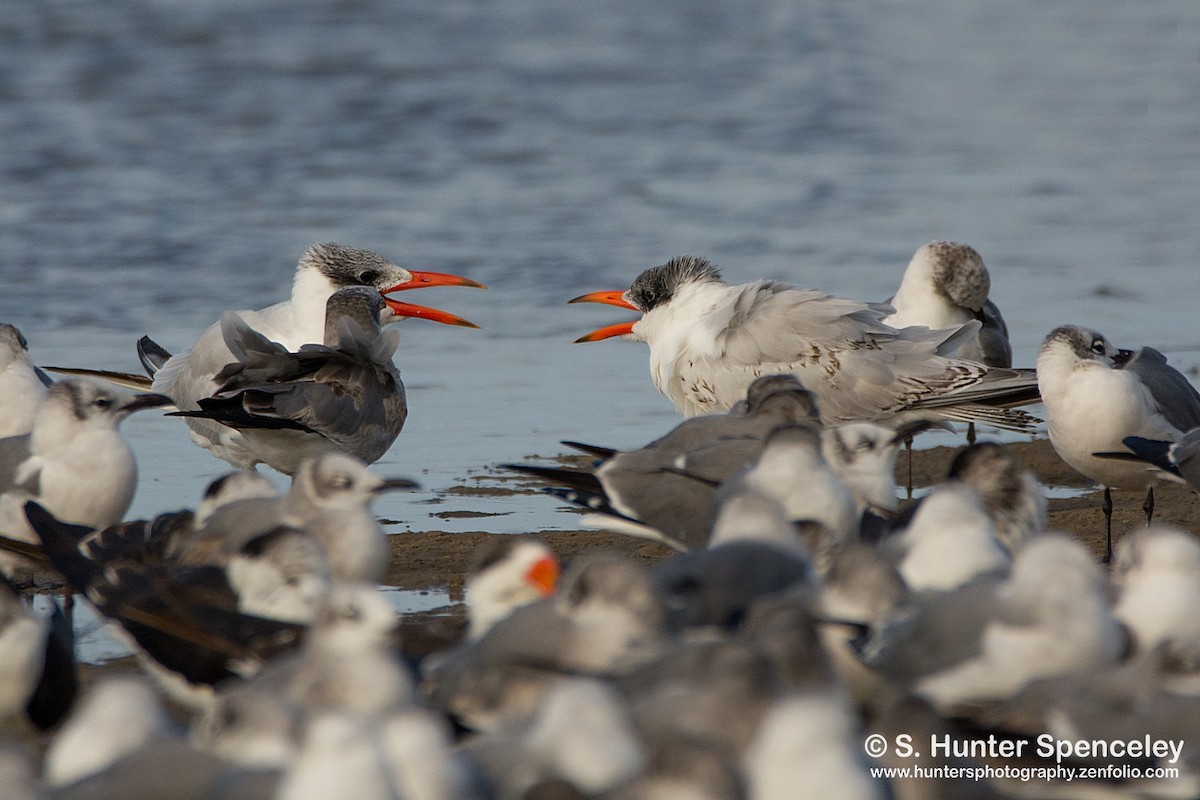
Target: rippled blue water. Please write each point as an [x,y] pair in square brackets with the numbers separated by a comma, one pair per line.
[161,161]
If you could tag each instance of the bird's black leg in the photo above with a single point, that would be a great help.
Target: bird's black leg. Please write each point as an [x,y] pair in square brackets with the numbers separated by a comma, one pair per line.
[970,433]
[1108,509]
[1148,506]
[908,450]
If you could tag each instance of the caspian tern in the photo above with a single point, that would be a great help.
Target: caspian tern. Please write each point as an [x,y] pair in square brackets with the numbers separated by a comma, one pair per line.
[1097,395]
[323,269]
[708,341]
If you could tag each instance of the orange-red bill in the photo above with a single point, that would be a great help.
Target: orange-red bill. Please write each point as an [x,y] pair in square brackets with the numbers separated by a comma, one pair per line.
[620,329]
[424,312]
[615,298]
[422,280]
[543,575]
[608,298]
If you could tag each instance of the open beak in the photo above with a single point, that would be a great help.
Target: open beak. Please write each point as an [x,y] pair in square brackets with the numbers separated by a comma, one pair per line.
[543,575]
[423,280]
[610,298]
[425,312]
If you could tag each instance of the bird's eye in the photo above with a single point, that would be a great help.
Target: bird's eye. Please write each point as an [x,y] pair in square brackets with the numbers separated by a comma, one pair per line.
[353,613]
[102,402]
[367,277]
[1098,347]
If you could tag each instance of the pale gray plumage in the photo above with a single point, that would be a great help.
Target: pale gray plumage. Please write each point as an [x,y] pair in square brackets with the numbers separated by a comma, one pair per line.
[666,490]
[708,341]
[74,462]
[1097,395]
[1011,494]
[22,387]
[344,394]
[947,284]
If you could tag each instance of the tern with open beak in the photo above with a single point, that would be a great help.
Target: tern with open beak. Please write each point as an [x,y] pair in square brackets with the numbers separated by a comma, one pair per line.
[709,340]
[323,269]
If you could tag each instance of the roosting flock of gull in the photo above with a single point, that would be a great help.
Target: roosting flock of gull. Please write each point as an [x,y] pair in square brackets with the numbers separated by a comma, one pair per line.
[811,639]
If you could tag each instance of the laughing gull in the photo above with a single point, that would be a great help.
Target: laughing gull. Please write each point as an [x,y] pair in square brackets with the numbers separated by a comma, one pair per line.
[949,541]
[666,490]
[120,744]
[22,385]
[582,735]
[281,407]
[405,754]
[709,340]
[330,500]
[990,638]
[605,619]
[810,745]
[22,655]
[1176,458]
[118,715]
[945,285]
[1096,395]
[792,471]
[1011,494]
[1157,575]
[73,462]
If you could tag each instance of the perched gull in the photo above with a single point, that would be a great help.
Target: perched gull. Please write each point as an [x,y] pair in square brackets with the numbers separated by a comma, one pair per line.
[1011,494]
[949,542]
[22,385]
[945,285]
[666,490]
[1157,575]
[73,462]
[709,340]
[281,407]
[1096,396]
[990,638]
[1177,458]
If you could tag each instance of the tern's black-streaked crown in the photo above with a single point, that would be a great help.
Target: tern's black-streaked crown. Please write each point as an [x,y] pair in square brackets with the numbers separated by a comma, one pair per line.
[657,285]
[344,265]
